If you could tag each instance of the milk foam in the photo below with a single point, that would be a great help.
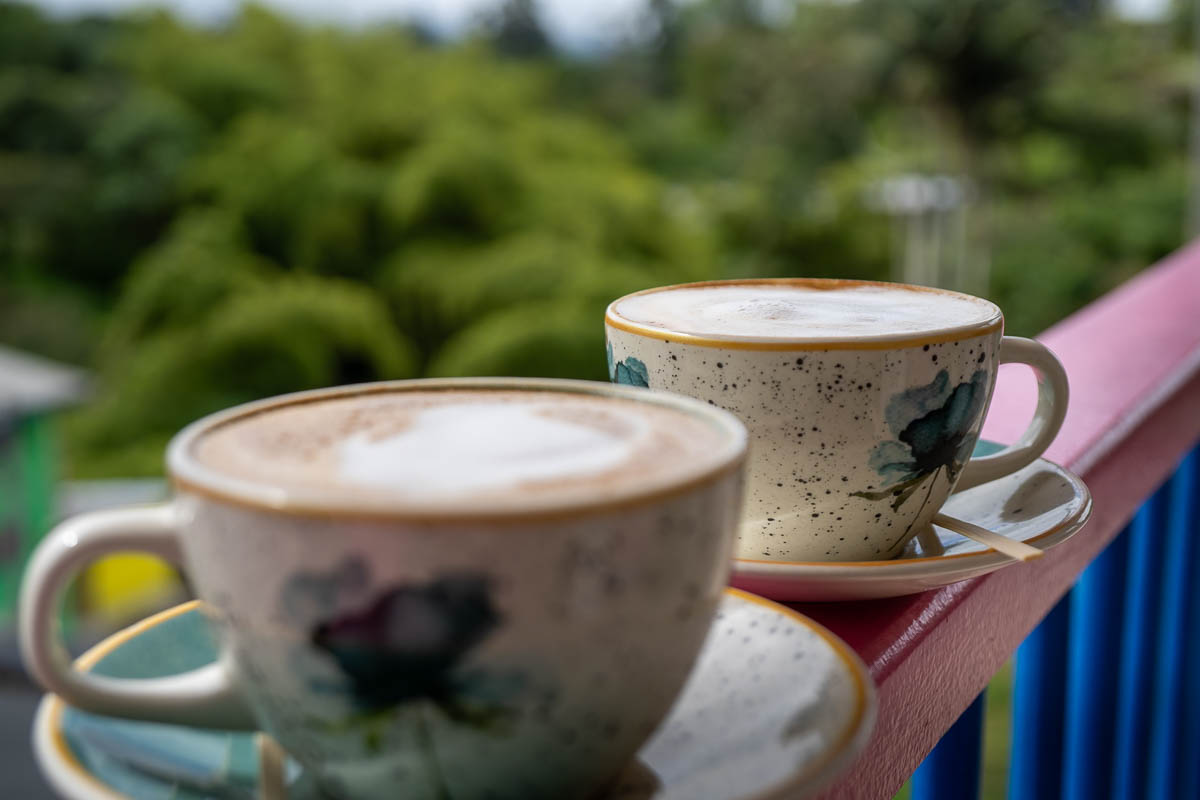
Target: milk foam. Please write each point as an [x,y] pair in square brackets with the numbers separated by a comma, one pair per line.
[463,445]
[472,446]
[801,312]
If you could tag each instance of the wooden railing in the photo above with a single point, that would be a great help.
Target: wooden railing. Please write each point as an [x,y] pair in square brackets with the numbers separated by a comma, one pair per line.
[1106,699]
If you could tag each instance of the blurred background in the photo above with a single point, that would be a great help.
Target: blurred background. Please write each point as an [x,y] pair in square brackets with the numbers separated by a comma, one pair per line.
[203,203]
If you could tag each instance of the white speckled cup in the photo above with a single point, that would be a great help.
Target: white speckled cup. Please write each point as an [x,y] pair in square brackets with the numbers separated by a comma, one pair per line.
[493,650]
[856,441]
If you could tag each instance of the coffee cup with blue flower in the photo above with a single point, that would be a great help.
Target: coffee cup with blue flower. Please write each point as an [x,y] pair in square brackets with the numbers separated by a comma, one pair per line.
[488,588]
[864,400]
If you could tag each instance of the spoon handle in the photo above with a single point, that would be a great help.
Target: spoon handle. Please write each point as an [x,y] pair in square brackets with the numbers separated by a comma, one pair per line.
[271,783]
[1009,547]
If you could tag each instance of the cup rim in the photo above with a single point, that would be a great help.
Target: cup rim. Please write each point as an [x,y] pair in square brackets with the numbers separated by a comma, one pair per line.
[188,476]
[874,341]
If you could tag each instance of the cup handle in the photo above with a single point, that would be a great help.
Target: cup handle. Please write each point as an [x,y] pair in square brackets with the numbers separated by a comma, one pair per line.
[207,697]
[1047,419]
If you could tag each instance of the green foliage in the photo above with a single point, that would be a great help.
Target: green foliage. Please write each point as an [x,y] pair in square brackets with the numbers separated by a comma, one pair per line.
[208,216]
[53,320]
[278,336]
[299,208]
[202,262]
[552,340]
[300,202]
[1045,254]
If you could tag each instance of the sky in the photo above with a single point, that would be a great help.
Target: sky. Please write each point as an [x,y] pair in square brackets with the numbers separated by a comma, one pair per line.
[1142,9]
[574,24]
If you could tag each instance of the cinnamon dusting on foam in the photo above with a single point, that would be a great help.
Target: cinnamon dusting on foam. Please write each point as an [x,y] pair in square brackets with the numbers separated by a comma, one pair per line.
[780,310]
[463,445]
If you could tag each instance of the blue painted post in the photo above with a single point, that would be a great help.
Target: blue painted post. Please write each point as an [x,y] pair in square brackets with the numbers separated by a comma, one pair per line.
[1035,770]
[1166,724]
[1094,650]
[952,769]
[1189,699]
[1135,683]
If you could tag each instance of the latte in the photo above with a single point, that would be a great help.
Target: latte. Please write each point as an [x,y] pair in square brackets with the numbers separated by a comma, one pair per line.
[823,310]
[464,447]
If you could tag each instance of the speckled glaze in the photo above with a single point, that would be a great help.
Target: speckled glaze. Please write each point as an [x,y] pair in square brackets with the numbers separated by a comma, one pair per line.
[1042,504]
[592,624]
[816,419]
[835,471]
[518,655]
[775,707]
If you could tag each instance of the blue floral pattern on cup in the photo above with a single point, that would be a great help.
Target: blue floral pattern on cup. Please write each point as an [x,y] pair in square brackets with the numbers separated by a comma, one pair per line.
[407,644]
[631,371]
[932,425]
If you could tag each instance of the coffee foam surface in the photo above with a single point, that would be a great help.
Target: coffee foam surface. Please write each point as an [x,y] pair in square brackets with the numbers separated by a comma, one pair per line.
[801,312]
[463,446]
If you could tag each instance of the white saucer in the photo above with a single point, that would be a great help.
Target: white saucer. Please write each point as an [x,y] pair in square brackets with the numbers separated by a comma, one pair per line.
[1042,504]
[775,708]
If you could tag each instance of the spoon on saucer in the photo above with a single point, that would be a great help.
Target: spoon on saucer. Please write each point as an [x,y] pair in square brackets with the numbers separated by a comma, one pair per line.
[1012,548]
[272,784]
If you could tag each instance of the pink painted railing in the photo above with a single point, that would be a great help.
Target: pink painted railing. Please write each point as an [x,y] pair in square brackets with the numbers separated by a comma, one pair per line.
[1133,359]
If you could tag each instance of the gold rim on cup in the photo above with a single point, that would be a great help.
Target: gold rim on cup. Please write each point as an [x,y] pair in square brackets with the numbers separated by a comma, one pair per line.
[189,476]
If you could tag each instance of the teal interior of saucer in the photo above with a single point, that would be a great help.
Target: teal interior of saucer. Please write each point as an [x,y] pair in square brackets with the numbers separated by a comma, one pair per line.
[149,761]
[985,448]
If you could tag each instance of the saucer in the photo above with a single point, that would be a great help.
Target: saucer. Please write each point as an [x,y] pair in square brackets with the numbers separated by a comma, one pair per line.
[1042,504]
[775,707]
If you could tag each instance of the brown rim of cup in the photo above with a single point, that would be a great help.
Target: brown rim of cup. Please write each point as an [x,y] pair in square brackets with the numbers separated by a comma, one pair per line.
[188,476]
[868,342]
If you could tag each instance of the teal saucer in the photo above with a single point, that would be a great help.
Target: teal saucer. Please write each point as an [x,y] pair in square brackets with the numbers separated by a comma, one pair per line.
[775,708]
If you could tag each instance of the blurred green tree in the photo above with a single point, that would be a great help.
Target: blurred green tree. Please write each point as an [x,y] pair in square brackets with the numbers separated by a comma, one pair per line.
[515,29]
[210,215]
[322,207]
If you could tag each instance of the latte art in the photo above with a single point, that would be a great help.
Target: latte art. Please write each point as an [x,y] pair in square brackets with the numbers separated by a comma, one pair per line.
[464,445]
[481,445]
[782,311]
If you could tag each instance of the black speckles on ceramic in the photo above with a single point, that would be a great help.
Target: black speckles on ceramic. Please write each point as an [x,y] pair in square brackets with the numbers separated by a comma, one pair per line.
[582,629]
[852,451]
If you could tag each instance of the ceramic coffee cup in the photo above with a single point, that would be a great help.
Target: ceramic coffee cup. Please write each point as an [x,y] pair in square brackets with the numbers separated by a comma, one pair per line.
[864,400]
[516,645]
